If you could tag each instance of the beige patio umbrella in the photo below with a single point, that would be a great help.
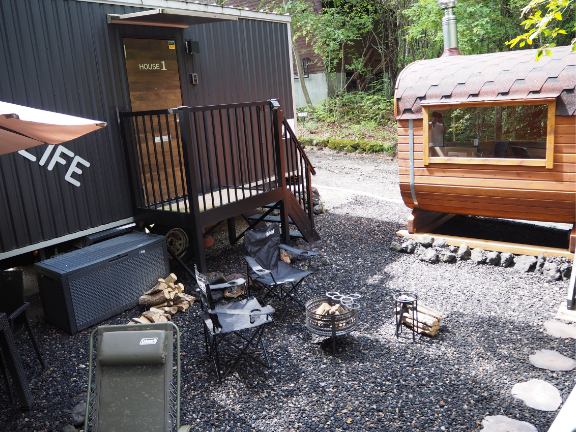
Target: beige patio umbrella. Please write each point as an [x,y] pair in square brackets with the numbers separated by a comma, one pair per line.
[23,127]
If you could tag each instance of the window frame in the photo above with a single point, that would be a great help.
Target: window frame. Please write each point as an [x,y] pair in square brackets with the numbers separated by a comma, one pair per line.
[548,162]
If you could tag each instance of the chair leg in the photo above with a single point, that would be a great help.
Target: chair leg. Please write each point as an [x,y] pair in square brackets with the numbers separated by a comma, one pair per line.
[5,376]
[216,358]
[34,343]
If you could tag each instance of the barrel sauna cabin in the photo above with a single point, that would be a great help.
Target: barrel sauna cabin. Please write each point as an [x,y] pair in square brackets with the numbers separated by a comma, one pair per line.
[499,138]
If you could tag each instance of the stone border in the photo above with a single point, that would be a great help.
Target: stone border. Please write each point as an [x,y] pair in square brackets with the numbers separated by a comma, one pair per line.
[553,268]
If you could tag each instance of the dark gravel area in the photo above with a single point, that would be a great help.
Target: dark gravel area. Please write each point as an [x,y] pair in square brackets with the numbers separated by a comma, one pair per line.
[493,322]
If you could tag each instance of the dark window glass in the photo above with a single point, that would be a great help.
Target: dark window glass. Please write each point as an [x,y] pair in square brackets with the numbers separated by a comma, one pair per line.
[517,132]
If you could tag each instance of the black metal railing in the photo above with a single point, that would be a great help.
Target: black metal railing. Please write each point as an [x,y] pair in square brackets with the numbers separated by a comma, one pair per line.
[299,170]
[222,153]
[155,151]
[234,151]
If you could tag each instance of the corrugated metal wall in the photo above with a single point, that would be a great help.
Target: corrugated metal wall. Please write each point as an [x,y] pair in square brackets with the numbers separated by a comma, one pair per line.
[61,55]
[241,61]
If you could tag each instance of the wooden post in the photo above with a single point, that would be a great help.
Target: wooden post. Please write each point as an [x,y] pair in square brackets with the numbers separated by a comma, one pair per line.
[572,244]
[422,221]
[231,230]
[277,119]
[194,224]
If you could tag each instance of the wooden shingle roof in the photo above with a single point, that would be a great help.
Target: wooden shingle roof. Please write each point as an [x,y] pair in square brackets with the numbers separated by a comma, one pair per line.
[484,77]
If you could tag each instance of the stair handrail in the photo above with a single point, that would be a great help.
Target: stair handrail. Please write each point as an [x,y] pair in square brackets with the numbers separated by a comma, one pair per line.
[299,146]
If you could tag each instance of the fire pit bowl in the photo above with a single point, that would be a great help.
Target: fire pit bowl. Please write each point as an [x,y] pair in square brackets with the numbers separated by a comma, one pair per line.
[330,325]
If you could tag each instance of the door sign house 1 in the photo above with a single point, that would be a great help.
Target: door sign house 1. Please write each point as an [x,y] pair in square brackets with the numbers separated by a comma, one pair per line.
[152,66]
[58,158]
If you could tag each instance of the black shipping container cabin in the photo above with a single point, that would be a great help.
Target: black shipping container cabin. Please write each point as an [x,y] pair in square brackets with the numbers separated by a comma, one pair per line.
[100,59]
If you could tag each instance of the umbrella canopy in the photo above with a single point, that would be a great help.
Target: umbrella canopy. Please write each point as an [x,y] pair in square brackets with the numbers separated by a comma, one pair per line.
[23,127]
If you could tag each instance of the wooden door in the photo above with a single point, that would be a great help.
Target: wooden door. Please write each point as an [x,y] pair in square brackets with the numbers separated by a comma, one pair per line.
[154,84]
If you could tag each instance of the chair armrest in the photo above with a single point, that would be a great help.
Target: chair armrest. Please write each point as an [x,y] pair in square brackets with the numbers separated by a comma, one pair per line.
[298,251]
[266,310]
[258,269]
[18,311]
[232,283]
[184,428]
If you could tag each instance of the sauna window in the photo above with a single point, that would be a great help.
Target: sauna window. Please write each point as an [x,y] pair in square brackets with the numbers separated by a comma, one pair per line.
[503,134]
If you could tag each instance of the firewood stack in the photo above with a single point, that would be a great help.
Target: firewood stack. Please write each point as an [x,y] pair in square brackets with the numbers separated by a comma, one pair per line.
[428,320]
[164,300]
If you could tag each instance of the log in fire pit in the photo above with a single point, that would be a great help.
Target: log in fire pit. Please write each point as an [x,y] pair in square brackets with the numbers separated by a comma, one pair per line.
[332,317]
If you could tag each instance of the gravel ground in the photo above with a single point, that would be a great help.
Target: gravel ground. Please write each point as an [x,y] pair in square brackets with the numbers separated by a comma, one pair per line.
[493,321]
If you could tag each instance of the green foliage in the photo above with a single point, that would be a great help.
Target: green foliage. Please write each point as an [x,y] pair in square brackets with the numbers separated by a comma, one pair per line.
[351,146]
[483,26]
[540,25]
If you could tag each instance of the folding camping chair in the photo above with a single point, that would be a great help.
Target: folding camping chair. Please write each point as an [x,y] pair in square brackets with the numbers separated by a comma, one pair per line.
[131,381]
[233,323]
[280,280]
[15,306]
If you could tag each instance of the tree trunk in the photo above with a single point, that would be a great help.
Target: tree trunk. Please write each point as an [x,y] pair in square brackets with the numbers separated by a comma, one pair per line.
[301,78]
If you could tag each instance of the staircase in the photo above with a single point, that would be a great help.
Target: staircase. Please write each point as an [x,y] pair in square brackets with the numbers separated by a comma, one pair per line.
[297,206]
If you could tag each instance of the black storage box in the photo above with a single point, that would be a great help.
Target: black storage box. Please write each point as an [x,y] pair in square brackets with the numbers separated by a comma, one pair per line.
[84,287]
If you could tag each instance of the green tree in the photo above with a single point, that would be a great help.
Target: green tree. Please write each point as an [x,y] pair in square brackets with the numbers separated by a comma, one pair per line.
[546,24]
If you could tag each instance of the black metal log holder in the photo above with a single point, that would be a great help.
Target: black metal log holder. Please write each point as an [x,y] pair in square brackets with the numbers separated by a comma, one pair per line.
[333,325]
[406,302]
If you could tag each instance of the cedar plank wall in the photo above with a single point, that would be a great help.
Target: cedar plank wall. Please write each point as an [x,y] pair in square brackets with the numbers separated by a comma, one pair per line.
[504,191]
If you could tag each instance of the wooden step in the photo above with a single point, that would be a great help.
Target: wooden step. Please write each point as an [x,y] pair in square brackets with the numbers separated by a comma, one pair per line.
[268,218]
[294,234]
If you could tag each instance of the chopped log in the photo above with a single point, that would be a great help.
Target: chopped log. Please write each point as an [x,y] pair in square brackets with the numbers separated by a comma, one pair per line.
[169,303]
[157,288]
[171,310]
[180,288]
[161,280]
[334,309]
[322,309]
[161,305]
[423,319]
[167,316]
[171,279]
[188,297]
[154,299]
[149,315]
[182,306]
[162,318]
[171,286]
[157,310]
[429,311]
[141,320]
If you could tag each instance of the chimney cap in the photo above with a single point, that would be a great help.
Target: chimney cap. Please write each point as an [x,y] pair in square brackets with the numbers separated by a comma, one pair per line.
[446,4]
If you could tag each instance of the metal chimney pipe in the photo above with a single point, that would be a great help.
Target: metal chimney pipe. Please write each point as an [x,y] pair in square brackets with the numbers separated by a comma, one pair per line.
[449,28]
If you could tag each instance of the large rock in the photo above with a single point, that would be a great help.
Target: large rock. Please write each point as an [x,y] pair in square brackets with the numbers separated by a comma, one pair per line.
[540,263]
[440,243]
[395,246]
[464,252]
[566,271]
[552,360]
[420,249]
[453,249]
[318,209]
[426,240]
[506,259]
[493,258]
[524,263]
[78,414]
[538,394]
[558,329]
[68,428]
[447,257]
[409,246]
[429,256]
[502,423]
[477,256]
[551,272]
